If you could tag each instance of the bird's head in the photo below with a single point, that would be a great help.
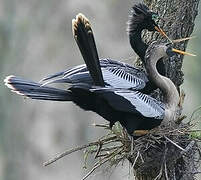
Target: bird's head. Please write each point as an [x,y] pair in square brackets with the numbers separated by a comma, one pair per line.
[150,21]
[157,51]
[141,17]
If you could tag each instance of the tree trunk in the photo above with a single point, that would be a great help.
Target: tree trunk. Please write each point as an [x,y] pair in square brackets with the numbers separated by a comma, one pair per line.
[179,16]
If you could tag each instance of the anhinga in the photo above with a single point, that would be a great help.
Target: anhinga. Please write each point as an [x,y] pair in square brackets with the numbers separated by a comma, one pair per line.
[133,109]
[114,73]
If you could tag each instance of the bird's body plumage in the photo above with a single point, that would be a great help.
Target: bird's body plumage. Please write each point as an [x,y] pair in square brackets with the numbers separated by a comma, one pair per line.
[130,108]
[133,109]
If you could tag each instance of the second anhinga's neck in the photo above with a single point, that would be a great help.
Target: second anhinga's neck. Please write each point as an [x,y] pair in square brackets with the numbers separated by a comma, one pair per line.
[137,44]
[170,93]
[140,47]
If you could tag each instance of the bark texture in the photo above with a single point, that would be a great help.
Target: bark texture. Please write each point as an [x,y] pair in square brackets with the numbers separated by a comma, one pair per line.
[179,16]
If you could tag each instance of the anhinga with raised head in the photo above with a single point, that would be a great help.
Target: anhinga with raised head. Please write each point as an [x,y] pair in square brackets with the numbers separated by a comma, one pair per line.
[133,109]
[114,73]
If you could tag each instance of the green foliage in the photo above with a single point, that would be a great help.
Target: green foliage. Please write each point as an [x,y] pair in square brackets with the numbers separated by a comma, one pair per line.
[195,134]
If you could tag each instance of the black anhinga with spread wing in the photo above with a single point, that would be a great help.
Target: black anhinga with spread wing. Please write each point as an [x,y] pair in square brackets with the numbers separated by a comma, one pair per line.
[133,109]
[114,73]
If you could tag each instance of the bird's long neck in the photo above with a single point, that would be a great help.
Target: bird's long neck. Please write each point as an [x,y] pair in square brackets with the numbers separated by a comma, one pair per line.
[137,43]
[140,48]
[170,93]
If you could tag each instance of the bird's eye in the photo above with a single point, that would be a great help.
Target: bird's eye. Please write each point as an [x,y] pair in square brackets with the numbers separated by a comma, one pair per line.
[169,51]
[155,17]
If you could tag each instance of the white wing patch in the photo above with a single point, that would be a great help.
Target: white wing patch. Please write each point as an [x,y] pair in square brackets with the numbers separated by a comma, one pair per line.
[144,104]
[118,78]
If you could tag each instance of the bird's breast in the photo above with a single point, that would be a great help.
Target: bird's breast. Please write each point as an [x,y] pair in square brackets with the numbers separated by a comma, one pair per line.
[170,114]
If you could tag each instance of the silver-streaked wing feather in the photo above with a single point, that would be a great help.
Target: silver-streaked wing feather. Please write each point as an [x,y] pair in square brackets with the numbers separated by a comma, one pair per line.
[146,105]
[66,73]
[115,74]
[119,78]
[133,102]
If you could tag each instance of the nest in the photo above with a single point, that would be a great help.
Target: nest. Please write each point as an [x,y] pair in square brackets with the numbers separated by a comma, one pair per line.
[167,152]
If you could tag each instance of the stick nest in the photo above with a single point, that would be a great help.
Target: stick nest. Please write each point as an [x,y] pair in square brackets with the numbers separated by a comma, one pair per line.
[171,151]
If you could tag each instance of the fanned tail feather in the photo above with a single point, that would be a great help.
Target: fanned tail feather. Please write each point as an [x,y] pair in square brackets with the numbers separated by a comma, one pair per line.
[34,90]
[83,35]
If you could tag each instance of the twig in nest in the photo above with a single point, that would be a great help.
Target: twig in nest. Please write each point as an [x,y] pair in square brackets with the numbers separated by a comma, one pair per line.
[163,163]
[115,146]
[65,153]
[101,125]
[160,173]
[106,149]
[189,147]
[166,173]
[98,150]
[138,154]
[175,144]
[101,162]
[94,168]
[141,158]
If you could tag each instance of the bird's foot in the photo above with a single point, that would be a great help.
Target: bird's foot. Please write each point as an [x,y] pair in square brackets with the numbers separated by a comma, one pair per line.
[180,119]
[140,132]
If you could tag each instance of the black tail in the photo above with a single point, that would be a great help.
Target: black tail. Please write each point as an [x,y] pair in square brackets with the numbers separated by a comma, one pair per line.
[34,90]
[83,35]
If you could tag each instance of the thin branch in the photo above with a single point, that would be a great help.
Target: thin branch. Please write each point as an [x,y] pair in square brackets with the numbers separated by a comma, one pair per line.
[138,154]
[106,126]
[106,149]
[98,164]
[174,144]
[93,169]
[166,173]
[98,150]
[189,147]
[160,174]
[65,153]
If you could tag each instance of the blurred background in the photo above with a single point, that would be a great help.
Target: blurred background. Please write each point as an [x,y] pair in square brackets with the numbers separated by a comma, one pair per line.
[36,40]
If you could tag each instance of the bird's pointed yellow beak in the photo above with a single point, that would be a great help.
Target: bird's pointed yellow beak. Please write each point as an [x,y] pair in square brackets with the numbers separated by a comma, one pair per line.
[182,52]
[162,33]
[173,49]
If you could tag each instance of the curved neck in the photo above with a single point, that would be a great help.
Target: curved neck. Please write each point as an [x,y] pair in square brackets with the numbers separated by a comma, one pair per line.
[170,93]
[137,44]
[140,48]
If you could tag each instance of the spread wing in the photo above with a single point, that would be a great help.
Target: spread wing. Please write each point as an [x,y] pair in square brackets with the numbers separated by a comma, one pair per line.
[133,101]
[115,74]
